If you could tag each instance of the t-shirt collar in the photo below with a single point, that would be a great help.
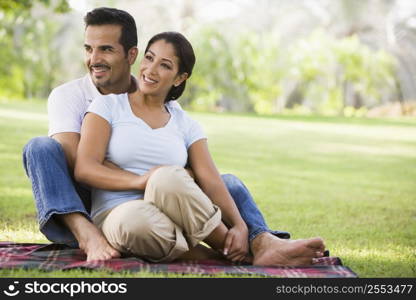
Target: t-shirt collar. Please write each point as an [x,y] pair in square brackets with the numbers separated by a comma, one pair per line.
[92,91]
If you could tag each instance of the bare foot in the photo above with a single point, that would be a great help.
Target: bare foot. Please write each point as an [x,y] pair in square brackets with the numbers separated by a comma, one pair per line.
[90,239]
[269,250]
[96,246]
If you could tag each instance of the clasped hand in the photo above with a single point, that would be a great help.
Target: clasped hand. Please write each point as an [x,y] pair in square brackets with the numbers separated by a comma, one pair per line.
[236,245]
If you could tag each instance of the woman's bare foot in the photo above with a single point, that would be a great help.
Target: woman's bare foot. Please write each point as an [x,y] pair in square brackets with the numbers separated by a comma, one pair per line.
[90,239]
[269,250]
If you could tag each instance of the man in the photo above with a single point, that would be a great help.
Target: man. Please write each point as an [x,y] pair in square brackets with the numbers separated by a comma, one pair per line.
[62,204]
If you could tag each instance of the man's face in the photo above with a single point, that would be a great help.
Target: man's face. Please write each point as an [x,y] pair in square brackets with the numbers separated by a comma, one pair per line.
[105,58]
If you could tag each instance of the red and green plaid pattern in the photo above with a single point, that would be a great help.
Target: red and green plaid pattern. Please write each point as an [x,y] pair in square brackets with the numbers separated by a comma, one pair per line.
[48,257]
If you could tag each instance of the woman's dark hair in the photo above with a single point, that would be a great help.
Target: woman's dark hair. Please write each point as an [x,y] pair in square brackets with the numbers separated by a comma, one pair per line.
[185,53]
[113,16]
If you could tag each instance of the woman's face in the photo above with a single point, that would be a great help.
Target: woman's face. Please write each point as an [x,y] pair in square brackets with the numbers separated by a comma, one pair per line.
[159,70]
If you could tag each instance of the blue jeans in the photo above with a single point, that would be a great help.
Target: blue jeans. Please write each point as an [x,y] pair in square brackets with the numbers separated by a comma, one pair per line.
[57,193]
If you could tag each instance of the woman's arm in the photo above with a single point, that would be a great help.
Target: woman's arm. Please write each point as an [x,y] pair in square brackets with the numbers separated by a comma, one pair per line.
[89,165]
[209,180]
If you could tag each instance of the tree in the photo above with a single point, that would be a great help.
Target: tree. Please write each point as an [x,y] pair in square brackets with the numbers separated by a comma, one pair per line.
[27,52]
[19,6]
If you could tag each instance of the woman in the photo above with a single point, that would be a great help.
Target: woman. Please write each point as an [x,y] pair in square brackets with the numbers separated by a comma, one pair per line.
[158,212]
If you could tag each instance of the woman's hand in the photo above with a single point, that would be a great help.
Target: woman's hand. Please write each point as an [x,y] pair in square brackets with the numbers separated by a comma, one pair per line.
[236,245]
[143,179]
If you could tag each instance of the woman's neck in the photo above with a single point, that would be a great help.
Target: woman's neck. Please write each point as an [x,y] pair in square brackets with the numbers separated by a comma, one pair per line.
[152,103]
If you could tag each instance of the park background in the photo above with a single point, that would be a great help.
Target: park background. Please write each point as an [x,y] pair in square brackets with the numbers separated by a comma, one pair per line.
[310,103]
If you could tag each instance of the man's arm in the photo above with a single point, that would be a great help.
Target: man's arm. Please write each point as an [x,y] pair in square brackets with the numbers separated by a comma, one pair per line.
[69,142]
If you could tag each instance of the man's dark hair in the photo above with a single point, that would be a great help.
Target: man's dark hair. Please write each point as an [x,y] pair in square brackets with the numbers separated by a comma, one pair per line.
[113,16]
[185,53]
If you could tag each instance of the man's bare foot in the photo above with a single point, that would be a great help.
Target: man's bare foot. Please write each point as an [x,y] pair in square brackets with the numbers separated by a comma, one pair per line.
[269,250]
[90,239]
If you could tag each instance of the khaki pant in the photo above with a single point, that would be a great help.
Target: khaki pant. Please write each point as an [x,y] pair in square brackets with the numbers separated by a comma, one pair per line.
[174,216]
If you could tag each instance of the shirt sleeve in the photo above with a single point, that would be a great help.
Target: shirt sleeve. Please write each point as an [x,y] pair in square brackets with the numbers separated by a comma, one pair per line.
[103,107]
[65,112]
[195,132]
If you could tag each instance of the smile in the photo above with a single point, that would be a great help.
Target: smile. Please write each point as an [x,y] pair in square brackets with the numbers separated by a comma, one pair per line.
[149,80]
[98,69]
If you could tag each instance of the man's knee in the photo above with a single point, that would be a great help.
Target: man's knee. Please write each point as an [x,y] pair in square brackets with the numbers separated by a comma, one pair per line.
[41,146]
[39,149]
[232,182]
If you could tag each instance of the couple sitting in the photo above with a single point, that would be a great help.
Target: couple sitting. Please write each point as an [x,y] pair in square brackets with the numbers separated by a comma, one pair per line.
[144,163]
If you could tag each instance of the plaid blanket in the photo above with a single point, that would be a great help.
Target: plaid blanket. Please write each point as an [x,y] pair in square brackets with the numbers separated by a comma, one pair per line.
[48,257]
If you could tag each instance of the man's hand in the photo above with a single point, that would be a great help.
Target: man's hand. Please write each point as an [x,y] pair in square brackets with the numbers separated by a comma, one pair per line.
[236,245]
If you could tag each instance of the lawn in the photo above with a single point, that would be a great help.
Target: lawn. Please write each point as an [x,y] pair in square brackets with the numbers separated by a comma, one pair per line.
[350,181]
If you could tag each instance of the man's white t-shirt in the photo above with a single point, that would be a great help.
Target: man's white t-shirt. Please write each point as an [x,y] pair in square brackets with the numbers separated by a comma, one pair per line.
[136,147]
[68,103]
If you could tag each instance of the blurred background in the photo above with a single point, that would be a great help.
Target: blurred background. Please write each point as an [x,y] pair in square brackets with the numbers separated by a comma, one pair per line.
[343,57]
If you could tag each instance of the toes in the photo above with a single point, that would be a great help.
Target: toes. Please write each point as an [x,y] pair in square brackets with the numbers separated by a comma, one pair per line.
[103,255]
[115,254]
[317,243]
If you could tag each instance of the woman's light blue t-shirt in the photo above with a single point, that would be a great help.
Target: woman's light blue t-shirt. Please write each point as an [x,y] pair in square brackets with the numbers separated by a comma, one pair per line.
[136,147]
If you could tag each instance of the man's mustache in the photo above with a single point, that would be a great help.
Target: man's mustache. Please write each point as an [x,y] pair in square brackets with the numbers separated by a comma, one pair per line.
[99,66]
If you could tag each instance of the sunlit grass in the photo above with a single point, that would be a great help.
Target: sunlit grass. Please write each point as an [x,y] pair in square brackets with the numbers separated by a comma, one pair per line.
[23,233]
[351,181]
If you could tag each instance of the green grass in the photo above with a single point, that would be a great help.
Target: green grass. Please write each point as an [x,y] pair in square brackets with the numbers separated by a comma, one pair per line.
[350,181]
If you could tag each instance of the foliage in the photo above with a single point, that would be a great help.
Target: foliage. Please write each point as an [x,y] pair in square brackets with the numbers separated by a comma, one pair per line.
[14,6]
[28,47]
[252,72]
[338,73]
[236,73]
[266,67]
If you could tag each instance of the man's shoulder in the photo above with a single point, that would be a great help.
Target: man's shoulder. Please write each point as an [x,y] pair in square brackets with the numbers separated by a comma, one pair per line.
[77,92]
[110,102]
[72,90]
[111,98]
[76,85]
